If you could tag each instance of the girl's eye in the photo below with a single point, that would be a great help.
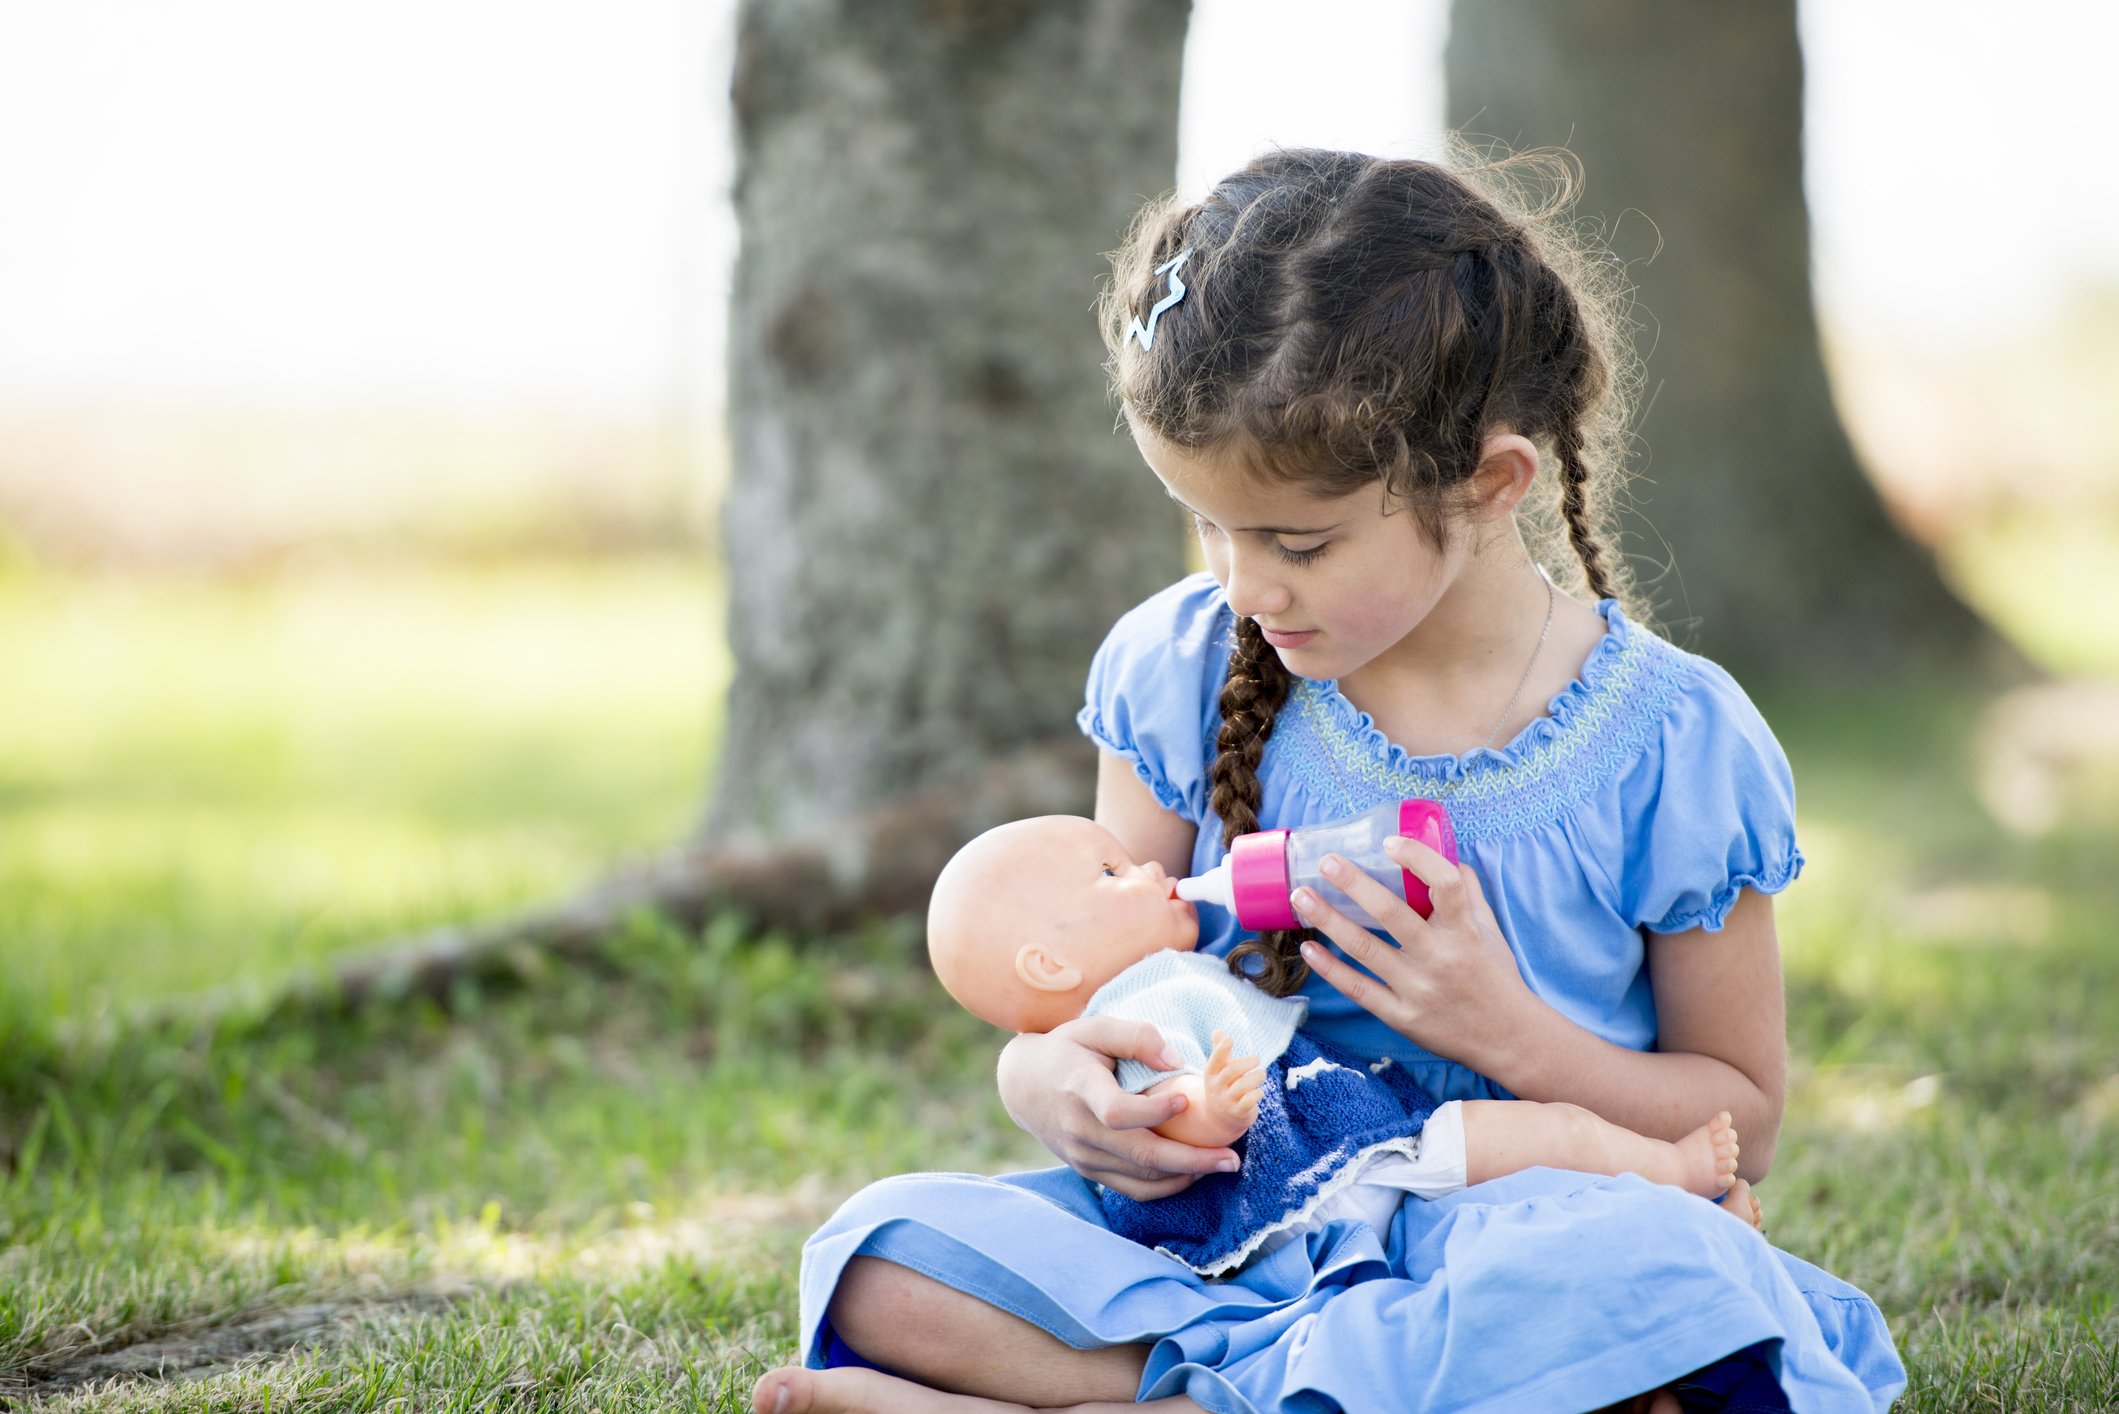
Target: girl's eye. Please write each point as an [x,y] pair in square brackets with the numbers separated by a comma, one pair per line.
[1205,529]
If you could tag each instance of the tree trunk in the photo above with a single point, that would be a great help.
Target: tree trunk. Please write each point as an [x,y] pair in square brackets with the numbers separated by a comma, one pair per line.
[1754,529]
[931,520]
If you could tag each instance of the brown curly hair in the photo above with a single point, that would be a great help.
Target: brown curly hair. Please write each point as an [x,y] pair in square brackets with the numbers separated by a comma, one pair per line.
[1349,320]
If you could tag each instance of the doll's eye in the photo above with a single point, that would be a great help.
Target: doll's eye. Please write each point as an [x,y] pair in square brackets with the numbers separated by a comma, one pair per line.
[1109,872]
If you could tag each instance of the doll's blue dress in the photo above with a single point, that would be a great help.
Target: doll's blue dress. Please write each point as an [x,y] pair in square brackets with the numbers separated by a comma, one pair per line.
[1348,1148]
[1648,798]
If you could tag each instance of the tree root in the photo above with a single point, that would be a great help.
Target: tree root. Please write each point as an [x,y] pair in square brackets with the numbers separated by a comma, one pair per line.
[199,1349]
[879,864]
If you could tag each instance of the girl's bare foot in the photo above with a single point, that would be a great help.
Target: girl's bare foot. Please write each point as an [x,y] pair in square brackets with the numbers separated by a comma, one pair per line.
[800,1391]
[1707,1158]
[1740,1202]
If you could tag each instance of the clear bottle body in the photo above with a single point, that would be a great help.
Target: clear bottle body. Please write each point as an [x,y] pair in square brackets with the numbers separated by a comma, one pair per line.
[1359,841]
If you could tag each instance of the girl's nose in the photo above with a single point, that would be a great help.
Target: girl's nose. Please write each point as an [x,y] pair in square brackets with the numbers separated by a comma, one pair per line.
[1252,589]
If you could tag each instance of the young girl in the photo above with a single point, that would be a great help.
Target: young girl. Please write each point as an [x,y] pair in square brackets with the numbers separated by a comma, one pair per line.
[1351,372]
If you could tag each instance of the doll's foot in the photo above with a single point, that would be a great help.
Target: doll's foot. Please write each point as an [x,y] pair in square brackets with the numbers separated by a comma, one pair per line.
[801,1391]
[1707,1158]
[1742,1204]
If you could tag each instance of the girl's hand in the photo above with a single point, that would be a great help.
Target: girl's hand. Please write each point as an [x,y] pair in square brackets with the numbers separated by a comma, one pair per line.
[1450,985]
[1059,1087]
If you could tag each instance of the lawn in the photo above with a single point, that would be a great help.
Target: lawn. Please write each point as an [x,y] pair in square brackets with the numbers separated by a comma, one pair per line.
[586,1187]
[206,783]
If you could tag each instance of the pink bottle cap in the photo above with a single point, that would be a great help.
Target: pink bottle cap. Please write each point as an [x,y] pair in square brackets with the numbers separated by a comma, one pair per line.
[1427,822]
[1258,880]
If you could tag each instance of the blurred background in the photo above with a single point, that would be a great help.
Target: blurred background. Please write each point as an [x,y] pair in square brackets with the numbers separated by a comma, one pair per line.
[361,391]
[366,448]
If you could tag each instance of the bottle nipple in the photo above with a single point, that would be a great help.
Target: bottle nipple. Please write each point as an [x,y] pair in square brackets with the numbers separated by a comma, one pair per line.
[1211,887]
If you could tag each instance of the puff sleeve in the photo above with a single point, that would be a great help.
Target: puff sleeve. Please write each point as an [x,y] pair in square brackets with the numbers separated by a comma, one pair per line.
[1154,688]
[1713,811]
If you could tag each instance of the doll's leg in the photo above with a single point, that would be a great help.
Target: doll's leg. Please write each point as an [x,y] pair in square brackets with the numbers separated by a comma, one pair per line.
[1506,1136]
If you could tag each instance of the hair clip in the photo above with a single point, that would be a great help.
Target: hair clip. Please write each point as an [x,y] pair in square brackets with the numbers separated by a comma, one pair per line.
[1146,332]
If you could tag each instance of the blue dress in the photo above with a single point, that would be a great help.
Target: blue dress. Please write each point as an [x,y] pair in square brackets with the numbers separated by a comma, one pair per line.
[1648,798]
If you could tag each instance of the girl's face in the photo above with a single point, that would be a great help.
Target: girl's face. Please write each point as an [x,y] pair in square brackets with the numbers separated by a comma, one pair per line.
[1335,583]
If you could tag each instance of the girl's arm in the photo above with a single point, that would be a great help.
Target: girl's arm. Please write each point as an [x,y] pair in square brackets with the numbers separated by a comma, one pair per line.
[1721,1041]
[1127,808]
[1060,1089]
[1452,986]
[1059,1086]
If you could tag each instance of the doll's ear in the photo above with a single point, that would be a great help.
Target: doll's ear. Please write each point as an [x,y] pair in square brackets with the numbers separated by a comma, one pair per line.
[1043,972]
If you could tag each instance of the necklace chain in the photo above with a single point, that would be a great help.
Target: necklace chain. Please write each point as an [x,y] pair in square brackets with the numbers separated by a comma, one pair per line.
[1544,633]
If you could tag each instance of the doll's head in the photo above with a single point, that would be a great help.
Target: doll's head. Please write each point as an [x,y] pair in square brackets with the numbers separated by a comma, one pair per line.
[1029,919]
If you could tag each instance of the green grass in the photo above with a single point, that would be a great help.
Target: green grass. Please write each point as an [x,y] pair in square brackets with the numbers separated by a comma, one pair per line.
[203,782]
[586,1187]
[1953,1122]
[2045,577]
[592,1187]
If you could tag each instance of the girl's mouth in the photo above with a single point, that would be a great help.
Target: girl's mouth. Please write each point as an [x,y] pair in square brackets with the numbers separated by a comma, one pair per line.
[1288,640]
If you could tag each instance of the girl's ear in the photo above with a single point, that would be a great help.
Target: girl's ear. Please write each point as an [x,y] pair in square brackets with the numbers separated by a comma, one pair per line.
[1041,971]
[1508,463]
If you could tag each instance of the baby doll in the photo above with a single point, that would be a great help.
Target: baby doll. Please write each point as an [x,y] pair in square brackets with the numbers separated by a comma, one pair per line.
[1040,921]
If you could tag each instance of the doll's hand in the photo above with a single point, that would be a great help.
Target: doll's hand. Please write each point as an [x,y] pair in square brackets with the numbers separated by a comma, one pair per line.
[1451,984]
[1224,1100]
[1233,1085]
[1059,1088]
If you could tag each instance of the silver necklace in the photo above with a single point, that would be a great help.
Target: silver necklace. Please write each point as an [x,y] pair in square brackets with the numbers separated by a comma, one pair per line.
[1543,634]
[1331,757]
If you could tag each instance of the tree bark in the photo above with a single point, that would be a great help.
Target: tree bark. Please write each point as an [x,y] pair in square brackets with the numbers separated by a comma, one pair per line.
[1754,529]
[932,519]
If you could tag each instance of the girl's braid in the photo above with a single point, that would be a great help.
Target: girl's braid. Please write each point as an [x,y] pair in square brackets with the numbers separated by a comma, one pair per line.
[1574,505]
[1578,388]
[1257,686]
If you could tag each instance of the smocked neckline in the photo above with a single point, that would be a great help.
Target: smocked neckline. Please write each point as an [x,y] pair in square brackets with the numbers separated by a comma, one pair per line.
[1593,680]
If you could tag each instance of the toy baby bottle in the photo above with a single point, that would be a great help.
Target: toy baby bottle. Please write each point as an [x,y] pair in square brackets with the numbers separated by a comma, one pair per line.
[1262,870]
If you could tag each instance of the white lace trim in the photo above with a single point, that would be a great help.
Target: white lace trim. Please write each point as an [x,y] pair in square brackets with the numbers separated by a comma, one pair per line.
[1309,1070]
[1406,1144]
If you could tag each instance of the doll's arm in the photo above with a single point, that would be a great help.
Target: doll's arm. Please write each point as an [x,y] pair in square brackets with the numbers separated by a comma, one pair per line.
[1220,1105]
